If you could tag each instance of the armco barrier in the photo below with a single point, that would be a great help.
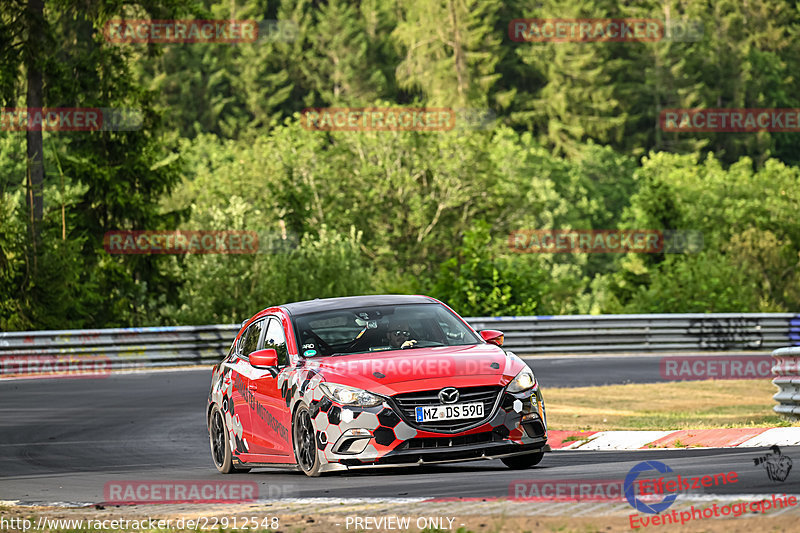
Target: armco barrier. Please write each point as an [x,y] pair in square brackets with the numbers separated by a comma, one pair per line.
[124,347]
[194,345]
[787,379]
[645,333]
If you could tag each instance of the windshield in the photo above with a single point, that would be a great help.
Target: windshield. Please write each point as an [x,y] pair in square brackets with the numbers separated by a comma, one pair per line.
[380,328]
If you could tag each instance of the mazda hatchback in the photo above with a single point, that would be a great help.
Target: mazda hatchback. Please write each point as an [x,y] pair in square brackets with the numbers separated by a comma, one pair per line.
[345,383]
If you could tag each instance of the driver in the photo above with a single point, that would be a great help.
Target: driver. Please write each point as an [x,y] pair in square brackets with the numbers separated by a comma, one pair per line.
[399,335]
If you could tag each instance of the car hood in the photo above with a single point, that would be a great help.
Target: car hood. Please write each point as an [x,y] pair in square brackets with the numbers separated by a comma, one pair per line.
[399,371]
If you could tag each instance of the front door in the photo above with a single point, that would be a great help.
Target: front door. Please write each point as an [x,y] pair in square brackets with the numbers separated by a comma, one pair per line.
[241,422]
[271,418]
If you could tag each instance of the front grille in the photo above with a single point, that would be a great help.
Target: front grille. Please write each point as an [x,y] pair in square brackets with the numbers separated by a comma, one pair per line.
[408,402]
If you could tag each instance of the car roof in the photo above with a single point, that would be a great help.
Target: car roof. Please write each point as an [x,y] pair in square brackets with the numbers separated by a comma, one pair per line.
[349,302]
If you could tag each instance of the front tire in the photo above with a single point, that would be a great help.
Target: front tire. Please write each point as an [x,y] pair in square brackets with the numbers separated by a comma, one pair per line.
[521,462]
[305,443]
[220,444]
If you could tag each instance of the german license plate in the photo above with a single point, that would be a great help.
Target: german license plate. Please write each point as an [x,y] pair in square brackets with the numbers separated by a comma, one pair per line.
[456,411]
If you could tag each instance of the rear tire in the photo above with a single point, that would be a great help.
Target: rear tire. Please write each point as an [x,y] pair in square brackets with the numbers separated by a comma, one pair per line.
[220,443]
[521,462]
[305,443]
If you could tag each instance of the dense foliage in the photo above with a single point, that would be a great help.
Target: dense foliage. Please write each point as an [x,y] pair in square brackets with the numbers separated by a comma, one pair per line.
[574,144]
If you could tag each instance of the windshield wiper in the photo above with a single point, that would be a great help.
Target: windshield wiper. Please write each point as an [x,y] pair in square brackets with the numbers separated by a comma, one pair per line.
[430,344]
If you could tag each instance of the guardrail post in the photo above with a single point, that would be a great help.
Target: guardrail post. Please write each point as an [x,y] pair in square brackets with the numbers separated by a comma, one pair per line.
[787,371]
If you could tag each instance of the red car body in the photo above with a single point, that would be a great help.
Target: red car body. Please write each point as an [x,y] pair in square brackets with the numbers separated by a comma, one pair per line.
[255,398]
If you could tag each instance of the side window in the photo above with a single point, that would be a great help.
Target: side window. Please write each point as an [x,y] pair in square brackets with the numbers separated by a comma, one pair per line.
[275,338]
[250,338]
[242,340]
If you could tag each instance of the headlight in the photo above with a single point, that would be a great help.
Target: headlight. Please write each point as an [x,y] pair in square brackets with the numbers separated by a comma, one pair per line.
[345,395]
[523,381]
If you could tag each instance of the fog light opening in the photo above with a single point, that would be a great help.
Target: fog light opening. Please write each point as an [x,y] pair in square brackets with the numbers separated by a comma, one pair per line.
[353,441]
[533,428]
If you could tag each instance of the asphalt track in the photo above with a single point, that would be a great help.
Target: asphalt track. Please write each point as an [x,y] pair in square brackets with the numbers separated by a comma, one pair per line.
[61,440]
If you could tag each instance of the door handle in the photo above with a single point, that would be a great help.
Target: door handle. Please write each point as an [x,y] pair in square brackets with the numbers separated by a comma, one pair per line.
[251,386]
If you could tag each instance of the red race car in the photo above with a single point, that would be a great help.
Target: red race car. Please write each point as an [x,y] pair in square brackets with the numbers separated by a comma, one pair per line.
[342,383]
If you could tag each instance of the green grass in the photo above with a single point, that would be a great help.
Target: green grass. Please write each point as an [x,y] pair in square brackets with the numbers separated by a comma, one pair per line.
[674,405]
[574,438]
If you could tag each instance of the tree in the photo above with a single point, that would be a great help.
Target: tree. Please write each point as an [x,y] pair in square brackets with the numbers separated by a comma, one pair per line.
[576,100]
[707,282]
[475,283]
[450,51]
[111,180]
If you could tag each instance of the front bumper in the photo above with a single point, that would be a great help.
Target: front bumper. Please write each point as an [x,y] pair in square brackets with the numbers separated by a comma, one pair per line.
[451,454]
[516,425]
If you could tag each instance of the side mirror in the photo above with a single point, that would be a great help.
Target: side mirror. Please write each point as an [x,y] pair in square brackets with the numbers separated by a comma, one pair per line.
[492,336]
[267,358]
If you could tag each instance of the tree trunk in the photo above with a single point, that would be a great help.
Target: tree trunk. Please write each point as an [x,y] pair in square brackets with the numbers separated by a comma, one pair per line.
[34,103]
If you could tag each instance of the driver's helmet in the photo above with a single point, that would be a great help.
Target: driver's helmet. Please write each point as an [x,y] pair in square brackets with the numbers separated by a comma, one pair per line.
[398,330]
